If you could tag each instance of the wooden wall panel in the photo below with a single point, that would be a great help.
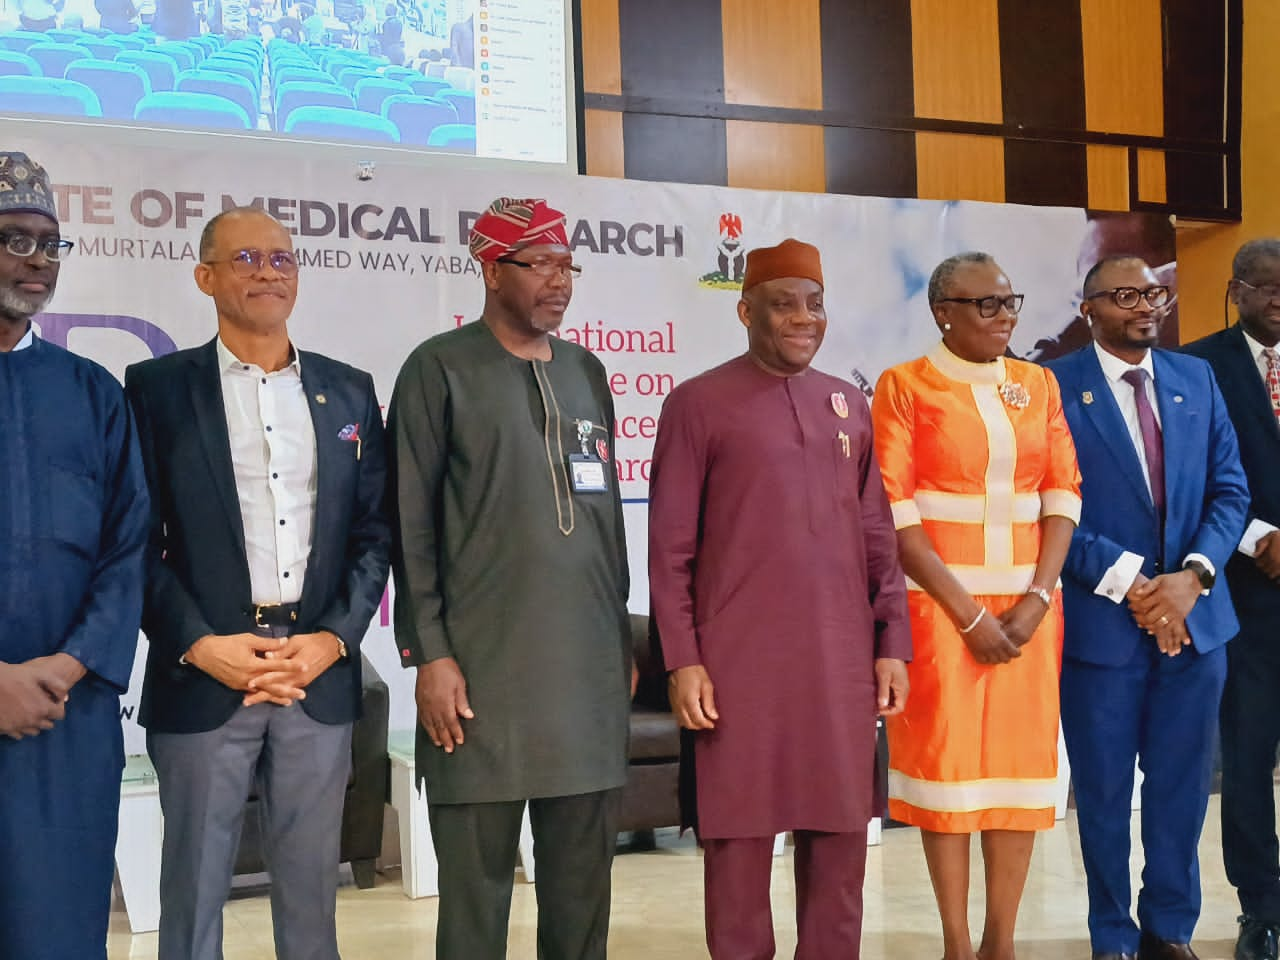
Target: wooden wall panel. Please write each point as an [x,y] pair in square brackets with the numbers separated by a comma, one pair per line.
[866,58]
[605,154]
[956,59]
[674,149]
[1123,66]
[951,166]
[870,163]
[775,156]
[601,47]
[1108,177]
[1041,64]
[671,48]
[1151,176]
[772,53]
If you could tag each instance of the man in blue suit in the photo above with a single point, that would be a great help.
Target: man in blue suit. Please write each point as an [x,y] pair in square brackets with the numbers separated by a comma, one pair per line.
[1146,620]
[1247,366]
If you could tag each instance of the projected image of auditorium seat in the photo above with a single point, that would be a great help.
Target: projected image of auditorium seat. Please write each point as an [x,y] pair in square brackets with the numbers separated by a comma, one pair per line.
[54,57]
[18,64]
[372,91]
[237,67]
[454,137]
[200,110]
[20,41]
[327,123]
[102,48]
[119,86]
[160,68]
[228,86]
[297,94]
[51,95]
[301,73]
[426,86]
[415,117]
[463,102]
[182,54]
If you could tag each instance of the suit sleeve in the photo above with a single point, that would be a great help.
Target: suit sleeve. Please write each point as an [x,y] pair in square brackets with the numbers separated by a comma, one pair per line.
[886,584]
[368,536]
[170,617]
[680,462]
[1226,498]
[104,635]
[418,426]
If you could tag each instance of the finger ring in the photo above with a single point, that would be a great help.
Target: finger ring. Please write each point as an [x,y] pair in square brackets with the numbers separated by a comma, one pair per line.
[1163,621]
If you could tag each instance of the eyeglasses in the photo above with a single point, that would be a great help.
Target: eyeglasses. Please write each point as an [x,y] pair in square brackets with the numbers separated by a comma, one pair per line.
[1269,291]
[1126,298]
[988,307]
[544,268]
[24,245]
[245,263]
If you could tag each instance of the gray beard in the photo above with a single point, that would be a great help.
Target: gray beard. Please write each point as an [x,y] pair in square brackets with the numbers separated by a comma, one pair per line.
[19,307]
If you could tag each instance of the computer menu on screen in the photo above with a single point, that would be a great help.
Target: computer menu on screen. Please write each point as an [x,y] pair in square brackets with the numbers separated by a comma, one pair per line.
[521,80]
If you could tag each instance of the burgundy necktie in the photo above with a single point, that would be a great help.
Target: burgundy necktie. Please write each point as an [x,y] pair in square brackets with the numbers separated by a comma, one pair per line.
[1152,442]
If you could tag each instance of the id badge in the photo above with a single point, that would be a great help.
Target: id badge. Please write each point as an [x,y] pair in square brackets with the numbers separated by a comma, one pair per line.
[587,473]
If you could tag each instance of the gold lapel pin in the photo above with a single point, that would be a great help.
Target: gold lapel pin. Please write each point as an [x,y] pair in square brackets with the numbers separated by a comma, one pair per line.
[1087,396]
[321,398]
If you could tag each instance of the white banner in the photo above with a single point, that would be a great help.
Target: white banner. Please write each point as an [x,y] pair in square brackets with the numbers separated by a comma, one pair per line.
[386,266]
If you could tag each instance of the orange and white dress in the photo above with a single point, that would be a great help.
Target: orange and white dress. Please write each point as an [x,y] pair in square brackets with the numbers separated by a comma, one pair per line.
[976,454]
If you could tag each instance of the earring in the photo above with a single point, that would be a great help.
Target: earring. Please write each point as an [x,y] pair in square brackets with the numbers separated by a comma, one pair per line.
[946,326]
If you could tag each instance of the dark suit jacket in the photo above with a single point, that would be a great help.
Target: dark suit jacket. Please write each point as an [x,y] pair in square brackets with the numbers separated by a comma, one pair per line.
[1257,597]
[1205,495]
[197,573]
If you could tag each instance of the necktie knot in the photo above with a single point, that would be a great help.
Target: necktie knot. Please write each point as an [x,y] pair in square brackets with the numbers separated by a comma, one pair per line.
[1273,358]
[1136,377]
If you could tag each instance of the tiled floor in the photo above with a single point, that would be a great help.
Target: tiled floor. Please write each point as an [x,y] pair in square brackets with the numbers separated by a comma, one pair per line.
[657,908]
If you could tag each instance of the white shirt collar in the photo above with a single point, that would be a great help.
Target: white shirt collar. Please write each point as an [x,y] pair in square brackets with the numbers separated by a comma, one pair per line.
[229,361]
[1256,348]
[28,338]
[1114,369]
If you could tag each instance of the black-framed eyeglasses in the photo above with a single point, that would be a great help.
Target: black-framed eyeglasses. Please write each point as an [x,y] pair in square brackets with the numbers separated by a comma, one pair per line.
[544,268]
[988,307]
[245,263]
[24,245]
[1271,291]
[1126,298]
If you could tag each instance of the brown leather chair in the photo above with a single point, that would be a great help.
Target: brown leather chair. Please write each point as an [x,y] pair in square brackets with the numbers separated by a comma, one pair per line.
[366,791]
[650,798]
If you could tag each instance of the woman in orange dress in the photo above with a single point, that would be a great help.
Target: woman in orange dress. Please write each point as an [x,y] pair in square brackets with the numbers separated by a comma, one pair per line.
[981,475]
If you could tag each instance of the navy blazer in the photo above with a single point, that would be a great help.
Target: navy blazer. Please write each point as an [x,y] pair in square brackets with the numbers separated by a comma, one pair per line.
[1249,406]
[1205,492]
[197,571]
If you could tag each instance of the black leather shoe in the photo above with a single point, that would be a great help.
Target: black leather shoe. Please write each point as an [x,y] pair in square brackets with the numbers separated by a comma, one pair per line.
[1258,940]
[1151,947]
[1115,956]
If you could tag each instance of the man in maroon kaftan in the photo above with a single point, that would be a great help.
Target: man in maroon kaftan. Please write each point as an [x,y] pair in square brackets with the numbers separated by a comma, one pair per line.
[781,608]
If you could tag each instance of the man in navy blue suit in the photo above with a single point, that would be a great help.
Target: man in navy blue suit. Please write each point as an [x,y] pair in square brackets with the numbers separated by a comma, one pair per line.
[1247,365]
[1164,501]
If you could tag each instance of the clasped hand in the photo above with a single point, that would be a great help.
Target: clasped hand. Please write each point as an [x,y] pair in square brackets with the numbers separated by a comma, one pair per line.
[1160,607]
[268,669]
[1000,639]
[34,693]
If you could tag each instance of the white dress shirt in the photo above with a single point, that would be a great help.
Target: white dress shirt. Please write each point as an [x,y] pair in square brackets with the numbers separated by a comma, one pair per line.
[26,340]
[1257,528]
[273,454]
[1115,583]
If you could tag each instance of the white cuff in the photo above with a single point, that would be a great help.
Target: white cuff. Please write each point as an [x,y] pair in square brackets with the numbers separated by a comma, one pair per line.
[1208,565]
[1256,530]
[1115,583]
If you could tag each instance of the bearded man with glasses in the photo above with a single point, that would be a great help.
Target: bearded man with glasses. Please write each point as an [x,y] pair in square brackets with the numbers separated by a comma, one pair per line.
[269,554]
[1147,620]
[72,533]
[1245,359]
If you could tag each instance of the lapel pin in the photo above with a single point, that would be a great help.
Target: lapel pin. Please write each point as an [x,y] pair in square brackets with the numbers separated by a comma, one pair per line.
[844,443]
[1087,396]
[321,398]
[1177,398]
[840,405]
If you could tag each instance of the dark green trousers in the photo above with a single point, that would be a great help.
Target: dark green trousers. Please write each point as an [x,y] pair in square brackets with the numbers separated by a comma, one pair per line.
[573,844]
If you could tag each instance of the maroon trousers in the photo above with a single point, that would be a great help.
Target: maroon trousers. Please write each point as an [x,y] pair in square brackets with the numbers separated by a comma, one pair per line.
[829,871]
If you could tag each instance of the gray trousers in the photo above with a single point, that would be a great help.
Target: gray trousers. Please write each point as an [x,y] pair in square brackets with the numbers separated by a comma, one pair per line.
[301,768]
[573,844]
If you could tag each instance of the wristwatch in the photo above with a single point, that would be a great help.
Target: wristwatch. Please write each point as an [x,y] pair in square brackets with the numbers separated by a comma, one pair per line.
[1203,573]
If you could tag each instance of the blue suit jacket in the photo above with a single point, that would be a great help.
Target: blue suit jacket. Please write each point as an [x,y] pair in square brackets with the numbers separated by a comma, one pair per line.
[1205,492]
[1256,596]
[197,571]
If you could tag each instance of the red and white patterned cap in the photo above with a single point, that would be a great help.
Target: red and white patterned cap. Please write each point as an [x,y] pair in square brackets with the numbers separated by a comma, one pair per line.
[510,224]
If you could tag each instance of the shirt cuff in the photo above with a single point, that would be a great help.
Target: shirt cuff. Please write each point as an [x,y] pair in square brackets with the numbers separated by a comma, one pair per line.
[1208,565]
[1256,530]
[1115,583]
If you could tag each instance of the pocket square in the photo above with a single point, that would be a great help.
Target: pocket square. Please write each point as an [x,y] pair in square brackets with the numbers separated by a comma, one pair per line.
[351,433]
